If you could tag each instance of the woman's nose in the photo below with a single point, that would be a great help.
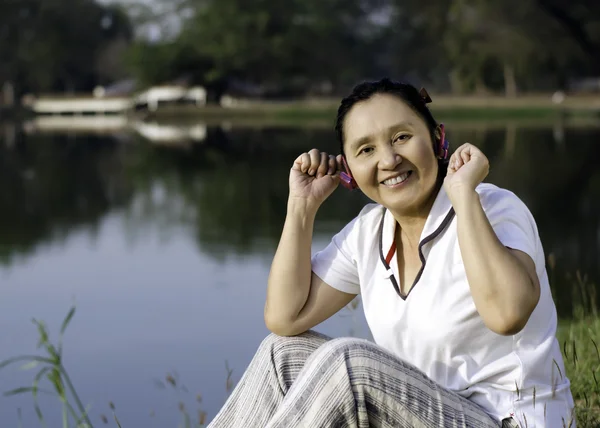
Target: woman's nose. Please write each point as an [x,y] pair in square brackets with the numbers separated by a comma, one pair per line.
[389,158]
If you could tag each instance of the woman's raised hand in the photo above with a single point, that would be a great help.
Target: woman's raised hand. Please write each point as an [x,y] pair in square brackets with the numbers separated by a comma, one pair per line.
[314,176]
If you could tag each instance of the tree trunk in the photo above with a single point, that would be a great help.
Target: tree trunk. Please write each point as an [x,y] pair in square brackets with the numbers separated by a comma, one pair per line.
[456,82]
[510,140]
[8,94]
[510,82]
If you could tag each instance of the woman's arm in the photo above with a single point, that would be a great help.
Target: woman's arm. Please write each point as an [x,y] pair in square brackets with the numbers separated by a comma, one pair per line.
[503,281]
[297,299]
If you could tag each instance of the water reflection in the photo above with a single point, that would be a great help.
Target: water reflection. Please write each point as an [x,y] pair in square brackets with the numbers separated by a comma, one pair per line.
[229,191]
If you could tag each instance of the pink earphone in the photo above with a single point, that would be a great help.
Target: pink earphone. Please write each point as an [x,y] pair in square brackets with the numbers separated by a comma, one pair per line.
[349,183]
[346,177]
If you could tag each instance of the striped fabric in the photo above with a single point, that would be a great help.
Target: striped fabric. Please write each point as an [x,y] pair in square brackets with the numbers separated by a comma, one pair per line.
[314,381]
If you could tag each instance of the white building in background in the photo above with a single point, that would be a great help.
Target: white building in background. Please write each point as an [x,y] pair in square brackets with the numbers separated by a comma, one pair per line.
[111,101]
[155,95]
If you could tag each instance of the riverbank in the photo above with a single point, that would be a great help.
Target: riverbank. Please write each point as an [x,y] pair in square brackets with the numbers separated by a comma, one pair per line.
[320,110]
[444,107]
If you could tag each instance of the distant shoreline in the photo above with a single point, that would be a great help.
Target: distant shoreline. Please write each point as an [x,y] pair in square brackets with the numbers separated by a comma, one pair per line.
[322,112]
[444,107]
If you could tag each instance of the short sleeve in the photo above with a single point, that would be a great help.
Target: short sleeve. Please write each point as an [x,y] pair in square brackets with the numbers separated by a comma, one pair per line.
[511,220]
[336,263]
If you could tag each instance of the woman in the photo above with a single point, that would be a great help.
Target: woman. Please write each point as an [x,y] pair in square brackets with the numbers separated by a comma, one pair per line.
[452,279]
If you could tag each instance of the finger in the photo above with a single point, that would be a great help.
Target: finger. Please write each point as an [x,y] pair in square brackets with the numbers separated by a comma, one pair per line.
[458,159]
[339,163]
[465,154]
[315,160]
[332,165]
[453,164]
[305,163]
[302,163]
[323,165]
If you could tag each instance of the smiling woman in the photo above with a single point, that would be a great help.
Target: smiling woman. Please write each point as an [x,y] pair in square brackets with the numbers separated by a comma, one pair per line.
[452,278]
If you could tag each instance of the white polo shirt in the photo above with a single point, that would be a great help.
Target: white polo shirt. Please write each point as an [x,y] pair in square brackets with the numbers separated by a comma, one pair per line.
[437,328]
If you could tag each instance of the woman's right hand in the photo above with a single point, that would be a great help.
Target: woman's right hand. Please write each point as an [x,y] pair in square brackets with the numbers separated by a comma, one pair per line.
[314,176]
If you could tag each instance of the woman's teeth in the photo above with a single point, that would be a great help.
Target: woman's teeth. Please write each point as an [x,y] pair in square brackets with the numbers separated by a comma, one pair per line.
[396,180]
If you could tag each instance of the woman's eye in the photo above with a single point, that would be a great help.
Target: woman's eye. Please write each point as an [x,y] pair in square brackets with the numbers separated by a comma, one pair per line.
[401,137]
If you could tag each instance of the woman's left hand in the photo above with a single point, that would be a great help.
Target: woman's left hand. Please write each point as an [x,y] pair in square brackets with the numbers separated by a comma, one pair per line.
[467,167]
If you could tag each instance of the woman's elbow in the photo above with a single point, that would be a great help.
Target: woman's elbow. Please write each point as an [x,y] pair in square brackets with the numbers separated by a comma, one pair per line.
[507,327]
[511,322]
[280,327]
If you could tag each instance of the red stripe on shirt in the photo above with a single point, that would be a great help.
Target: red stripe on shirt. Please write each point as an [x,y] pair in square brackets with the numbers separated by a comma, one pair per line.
[390,253]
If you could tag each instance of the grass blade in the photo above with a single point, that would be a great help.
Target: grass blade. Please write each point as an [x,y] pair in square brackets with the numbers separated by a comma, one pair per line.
[74,394]
[35,389]
[30,365]
[80,419]
[67,320]
[63,328]
[18,391]
[596,346]
[25,358]
[65,417]
[559,370]
[38,412]
[42,331]
[117,420]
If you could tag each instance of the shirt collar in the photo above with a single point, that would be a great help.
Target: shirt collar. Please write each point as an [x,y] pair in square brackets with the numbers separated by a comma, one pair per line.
[440,214]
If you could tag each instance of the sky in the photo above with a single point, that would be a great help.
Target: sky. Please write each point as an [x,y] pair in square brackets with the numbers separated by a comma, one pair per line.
[160,29]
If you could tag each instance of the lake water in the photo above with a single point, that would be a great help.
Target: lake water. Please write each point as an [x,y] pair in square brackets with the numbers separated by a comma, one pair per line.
[163,238]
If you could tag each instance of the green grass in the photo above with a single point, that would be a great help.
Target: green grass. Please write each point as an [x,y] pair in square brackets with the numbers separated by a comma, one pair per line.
[580,341]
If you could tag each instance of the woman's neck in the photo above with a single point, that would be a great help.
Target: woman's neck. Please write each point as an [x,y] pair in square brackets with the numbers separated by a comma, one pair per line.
[410,225]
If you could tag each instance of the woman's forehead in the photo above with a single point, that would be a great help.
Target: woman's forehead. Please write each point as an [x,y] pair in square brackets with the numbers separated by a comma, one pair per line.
[378,114]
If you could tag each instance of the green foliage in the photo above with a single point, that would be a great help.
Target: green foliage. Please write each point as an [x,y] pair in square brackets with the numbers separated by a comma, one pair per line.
[295,47]
[55,45]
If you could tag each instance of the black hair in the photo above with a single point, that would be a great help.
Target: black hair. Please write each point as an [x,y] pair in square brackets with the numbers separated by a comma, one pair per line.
[407,93]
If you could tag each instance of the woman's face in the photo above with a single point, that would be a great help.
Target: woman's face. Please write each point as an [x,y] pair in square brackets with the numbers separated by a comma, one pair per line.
[389,151]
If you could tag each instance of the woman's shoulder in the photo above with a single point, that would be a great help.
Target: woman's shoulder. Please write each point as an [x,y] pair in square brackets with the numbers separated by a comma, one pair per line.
[489,190]
[365,221]
[370,214]
[492,196]
[502,204]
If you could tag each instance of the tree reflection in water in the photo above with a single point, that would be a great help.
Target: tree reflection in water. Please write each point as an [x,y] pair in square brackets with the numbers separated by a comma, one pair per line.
[230,190]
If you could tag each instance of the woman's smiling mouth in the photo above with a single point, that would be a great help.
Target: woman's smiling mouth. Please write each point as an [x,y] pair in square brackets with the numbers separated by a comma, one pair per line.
[397,180]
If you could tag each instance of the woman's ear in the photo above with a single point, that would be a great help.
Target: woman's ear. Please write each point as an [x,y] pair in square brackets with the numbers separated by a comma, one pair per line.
[442,145]
[438,136]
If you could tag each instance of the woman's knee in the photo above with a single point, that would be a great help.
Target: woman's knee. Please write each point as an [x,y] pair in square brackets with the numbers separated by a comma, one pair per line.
[344,346]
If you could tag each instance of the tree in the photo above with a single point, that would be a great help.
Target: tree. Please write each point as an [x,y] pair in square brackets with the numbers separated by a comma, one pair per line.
[53,46]
[580,21]
[284,45]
